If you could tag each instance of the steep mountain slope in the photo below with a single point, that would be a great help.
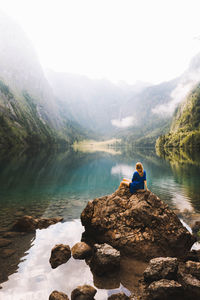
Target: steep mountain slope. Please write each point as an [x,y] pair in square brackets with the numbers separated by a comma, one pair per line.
[138,115]
[29,114]
[112,110]
[185,127]
[94,104]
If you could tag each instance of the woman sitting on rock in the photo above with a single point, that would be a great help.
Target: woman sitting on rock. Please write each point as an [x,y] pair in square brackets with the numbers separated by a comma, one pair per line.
[138,181]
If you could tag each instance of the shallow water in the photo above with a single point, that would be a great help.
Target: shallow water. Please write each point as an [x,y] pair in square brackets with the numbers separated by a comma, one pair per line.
[60,184]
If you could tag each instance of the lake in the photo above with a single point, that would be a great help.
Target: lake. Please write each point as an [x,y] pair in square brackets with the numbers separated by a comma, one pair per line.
[47,184]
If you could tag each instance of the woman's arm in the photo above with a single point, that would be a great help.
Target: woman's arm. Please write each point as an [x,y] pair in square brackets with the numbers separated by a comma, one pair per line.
[145,183]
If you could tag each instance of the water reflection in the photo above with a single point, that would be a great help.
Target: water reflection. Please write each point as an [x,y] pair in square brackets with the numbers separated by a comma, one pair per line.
[60,184]
[36,279]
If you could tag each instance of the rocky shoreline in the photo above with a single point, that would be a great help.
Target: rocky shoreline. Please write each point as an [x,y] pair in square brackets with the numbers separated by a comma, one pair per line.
[119,226]
[142,226]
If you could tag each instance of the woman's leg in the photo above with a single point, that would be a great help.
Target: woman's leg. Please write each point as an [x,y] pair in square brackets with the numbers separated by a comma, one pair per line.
[125,182]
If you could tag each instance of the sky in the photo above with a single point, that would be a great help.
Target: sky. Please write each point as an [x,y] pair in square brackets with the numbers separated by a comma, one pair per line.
[120,40]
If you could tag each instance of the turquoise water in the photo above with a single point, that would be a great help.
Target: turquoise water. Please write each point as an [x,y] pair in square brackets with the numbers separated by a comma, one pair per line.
[49,184]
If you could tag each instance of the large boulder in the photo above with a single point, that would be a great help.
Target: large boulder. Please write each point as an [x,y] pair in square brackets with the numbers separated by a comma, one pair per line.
[30,224]
[139,224]
[60,254]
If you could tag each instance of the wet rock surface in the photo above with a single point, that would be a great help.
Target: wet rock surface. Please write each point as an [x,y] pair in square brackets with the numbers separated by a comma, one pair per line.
[139,224]
[179,280]
[84,292]
[119,296]
[60,254]
[161,267]
[81,250]
[55,295]
[105,259]
[4,242]
[30,224]
[164,289]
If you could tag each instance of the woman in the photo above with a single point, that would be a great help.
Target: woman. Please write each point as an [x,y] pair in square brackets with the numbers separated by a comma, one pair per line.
[139,180]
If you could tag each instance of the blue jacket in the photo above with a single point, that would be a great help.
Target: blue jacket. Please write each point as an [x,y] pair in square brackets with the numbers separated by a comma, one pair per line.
[137,182]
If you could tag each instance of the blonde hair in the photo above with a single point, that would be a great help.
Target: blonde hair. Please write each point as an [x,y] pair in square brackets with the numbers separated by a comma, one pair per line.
[139,168]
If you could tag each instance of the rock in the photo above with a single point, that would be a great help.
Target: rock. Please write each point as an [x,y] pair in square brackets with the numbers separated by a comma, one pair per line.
[191,285]
[85,292]
[193,268]
[164,289]
[196,227]
[161,268]
[139,224]
[5,253]
[105,259]
[11,234]
[29,224]
[81,250]
[46,222]
[60,254]
[119,296]
[4,242]
[193,255]
[25,224]
[58,296]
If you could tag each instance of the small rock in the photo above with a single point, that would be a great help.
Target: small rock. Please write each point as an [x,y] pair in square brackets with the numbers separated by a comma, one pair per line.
[193,255]
[191,285]
[105,259]
[164,289]
[119,296]
[193,268]
[25,224]
[29,224]
[60,254]
[196,227]
[46,222]
[161,268]
[4,242]
[81,250]
[55,295]
[85,292]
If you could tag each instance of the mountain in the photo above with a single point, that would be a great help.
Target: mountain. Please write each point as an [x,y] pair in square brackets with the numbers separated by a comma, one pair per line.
[185,127]
[120,110]
[29,114]
[138,114]
[92,103]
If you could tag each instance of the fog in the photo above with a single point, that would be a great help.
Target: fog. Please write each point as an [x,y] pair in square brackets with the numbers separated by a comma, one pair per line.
[147,40]
[111,68]
[187,82]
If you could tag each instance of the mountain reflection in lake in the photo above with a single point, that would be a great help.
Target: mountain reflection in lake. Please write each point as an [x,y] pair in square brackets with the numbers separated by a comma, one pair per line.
[60,184]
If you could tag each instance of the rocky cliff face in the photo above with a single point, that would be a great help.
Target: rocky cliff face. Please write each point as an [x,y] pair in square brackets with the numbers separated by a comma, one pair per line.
[139,224]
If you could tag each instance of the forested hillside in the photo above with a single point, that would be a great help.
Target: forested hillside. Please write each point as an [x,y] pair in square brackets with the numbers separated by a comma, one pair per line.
[29,114]
[185,127]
